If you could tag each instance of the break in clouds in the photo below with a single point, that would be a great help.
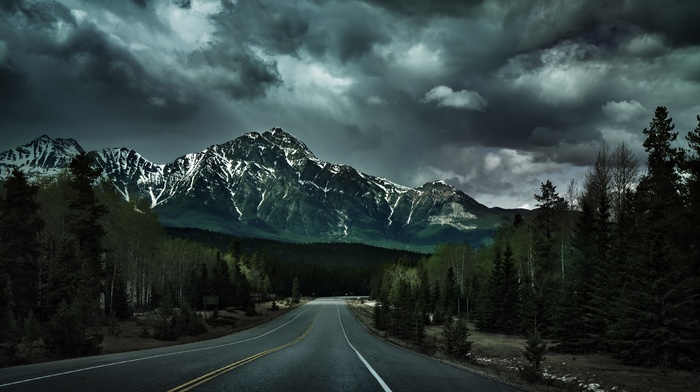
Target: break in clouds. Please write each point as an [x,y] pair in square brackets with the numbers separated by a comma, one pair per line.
[492,96]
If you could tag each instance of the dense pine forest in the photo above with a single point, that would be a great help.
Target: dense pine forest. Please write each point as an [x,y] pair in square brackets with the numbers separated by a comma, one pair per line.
[610,266]
[75,257]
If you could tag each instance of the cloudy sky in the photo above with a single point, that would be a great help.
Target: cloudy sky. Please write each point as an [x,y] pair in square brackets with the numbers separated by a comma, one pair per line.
[492,96]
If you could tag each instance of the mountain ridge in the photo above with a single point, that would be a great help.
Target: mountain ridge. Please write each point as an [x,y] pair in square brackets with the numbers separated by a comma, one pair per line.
[271,185]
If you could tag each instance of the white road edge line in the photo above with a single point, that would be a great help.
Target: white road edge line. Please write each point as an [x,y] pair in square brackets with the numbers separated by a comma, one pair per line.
[367,365]
[151,357]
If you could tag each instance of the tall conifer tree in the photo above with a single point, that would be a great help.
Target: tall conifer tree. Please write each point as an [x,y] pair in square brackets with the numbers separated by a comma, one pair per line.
[19,242]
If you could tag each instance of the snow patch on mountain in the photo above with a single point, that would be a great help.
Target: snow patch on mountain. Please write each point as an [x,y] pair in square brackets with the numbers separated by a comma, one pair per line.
[454,215]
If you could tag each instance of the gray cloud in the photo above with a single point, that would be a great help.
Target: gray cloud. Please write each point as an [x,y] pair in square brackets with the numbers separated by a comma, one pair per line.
[446,97]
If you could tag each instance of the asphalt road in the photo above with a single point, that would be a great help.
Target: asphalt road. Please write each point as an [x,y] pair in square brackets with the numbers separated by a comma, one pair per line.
[317,347]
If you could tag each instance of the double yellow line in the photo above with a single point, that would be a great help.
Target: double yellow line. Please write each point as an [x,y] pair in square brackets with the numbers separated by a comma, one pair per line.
[216,373]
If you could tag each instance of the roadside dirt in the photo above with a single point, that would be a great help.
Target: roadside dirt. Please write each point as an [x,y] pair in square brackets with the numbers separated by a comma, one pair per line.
[230,322]
[128,337]
[500,357]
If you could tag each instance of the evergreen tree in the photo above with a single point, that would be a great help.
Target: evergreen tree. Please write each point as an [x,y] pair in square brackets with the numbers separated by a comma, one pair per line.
[296,294]
[456,334]
[85,215]
[492,312]
[19,242]
[221,281]
[203,285]
[548,269]
[380,313]
[534,353]
[241,296]
[657,321]
[76,276]
[511,293]
[548,219]
[7,317]
[572,317]
[71,331]
[435,295]
[450,293]
[117,297]
[424,301]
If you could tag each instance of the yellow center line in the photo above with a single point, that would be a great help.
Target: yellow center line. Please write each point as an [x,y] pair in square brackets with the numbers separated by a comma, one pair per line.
[216,373]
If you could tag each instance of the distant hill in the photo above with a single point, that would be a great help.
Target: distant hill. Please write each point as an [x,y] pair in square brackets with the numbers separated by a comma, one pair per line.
[323,254]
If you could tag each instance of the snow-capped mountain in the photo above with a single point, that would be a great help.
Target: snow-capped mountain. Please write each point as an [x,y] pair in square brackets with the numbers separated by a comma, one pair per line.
[41,157]
[271,185]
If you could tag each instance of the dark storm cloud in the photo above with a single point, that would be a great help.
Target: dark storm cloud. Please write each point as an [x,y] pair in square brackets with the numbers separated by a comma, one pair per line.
[241,27]
[140,3]
[87,61]
[547,22]
[347,32]
[420,8]
[491,95]
[676,20]
[12,79]
[278,28]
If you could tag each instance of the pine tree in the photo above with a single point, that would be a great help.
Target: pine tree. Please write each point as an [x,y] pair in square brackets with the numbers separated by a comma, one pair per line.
[7,317]
[572,315]
[511,293]
[85,215]
[118,298]
[534,353]
[20,225]
[456,334]
[657,321]
[380,313]
[203,285]
[450,293]
[296,294]
[76,278]
[221,281]
[424,301]
[547,248]
[241,296]
[492,312]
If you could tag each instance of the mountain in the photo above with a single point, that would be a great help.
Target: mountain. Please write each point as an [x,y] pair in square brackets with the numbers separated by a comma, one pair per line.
[271,185]
[41,157]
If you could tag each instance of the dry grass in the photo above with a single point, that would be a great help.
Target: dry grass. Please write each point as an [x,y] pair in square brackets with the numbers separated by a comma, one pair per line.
[501,355]
[128,338]
[227,323]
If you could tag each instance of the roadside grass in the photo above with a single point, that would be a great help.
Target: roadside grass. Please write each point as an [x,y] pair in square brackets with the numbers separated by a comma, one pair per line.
[500,357]
[127,335]
[228,322]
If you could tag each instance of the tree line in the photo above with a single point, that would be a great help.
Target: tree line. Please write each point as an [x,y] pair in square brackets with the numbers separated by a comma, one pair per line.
[75,257]
[611,267]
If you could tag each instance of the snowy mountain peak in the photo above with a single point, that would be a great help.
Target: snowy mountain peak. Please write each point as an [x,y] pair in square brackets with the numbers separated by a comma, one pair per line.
[41,156]
[294,149]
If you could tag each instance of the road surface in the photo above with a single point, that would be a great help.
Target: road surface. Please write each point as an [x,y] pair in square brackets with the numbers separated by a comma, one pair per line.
[316,347]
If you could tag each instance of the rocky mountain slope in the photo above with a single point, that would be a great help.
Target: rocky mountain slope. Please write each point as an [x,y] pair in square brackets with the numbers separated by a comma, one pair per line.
[271,185]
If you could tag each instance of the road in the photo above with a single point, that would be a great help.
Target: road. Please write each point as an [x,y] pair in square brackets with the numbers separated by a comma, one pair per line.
[316,347]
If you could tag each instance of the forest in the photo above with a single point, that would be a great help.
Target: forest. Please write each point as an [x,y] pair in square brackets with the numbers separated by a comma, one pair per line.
[75,257]
[610,266]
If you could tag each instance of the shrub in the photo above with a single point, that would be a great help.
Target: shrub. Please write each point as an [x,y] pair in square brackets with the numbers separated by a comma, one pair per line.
[456,334]
[534,351]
